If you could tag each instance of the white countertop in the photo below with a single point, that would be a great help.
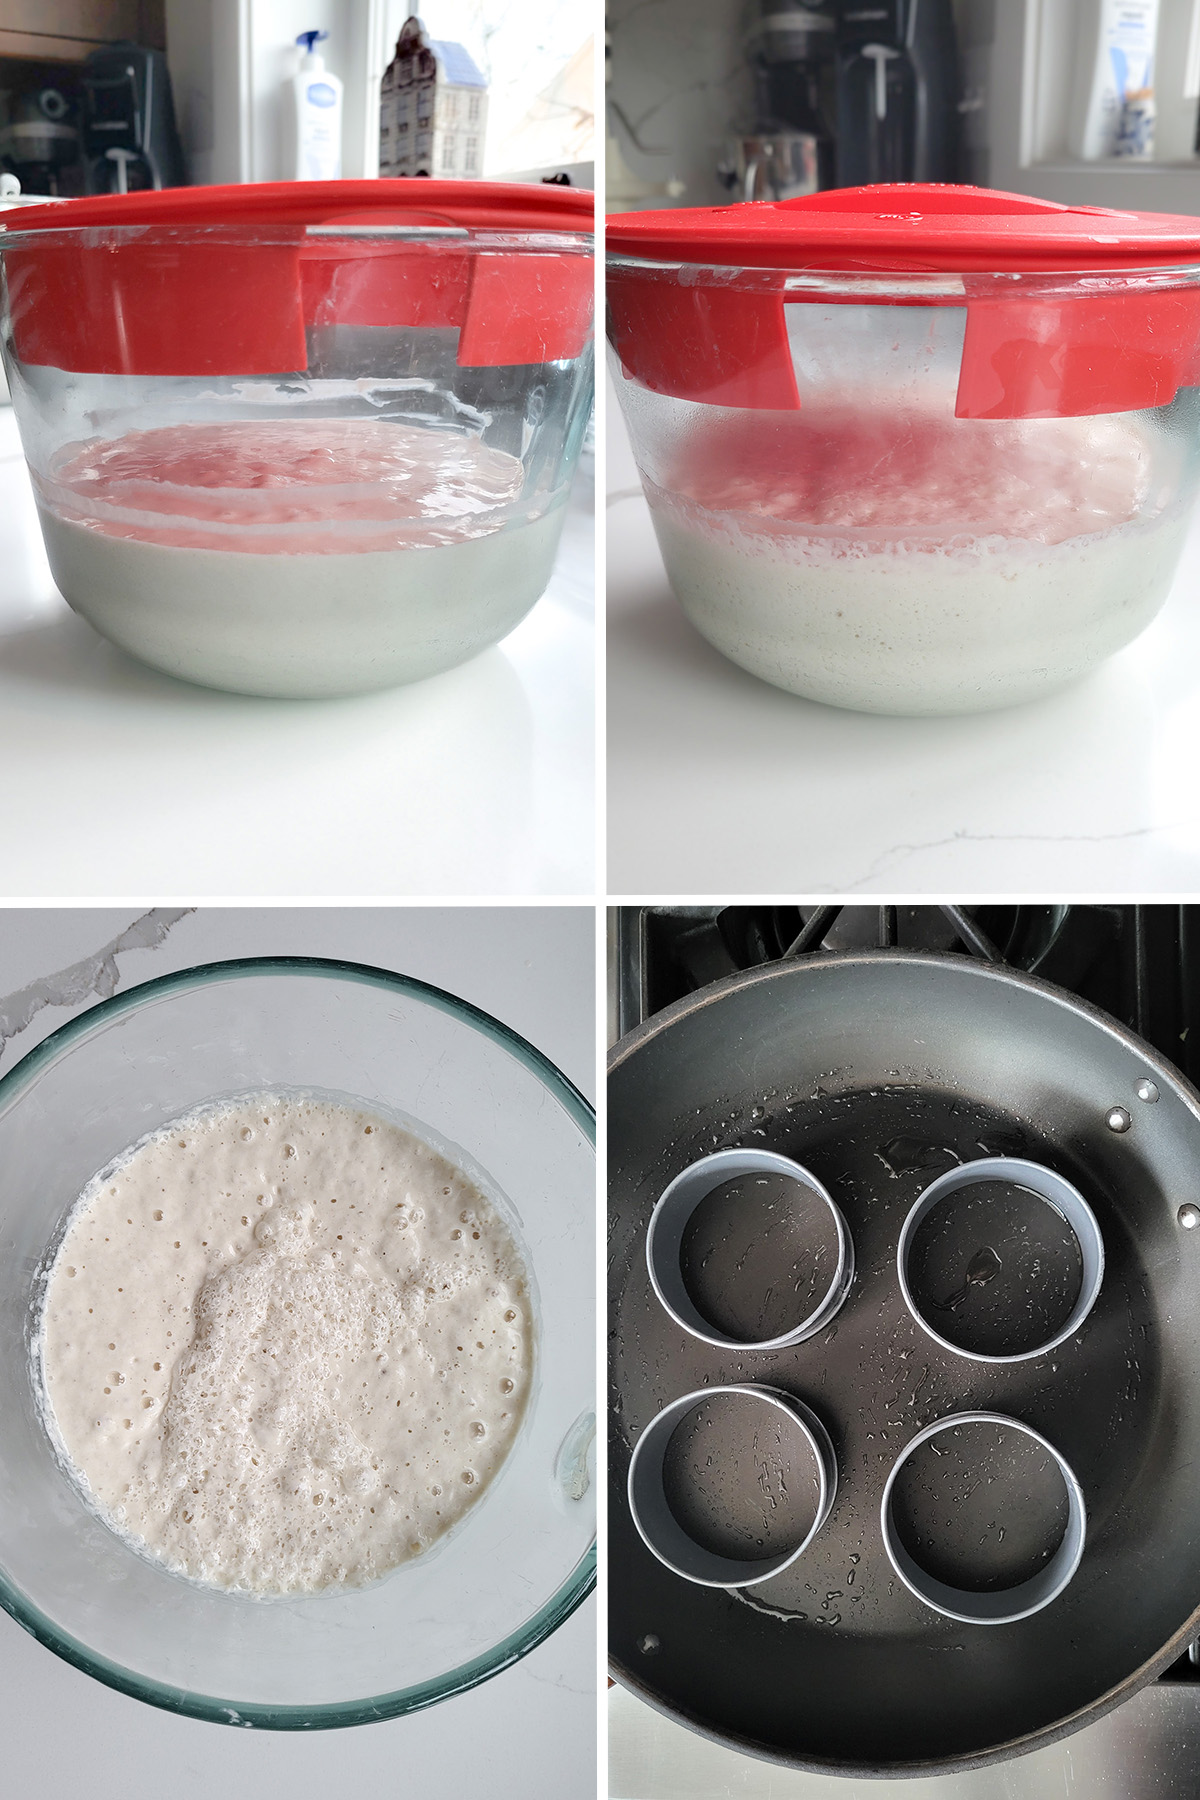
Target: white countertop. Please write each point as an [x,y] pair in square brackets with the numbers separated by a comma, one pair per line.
[721,784]
[123,781]
[528,1731]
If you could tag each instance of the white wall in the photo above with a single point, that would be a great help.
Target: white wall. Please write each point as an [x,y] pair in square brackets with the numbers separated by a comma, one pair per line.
[229,60]
[680,80]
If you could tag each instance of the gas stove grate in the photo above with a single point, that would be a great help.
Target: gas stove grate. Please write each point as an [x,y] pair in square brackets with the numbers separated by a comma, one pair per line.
[1140,964]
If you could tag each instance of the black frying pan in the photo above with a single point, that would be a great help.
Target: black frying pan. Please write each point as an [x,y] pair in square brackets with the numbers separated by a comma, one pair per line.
[875,1070]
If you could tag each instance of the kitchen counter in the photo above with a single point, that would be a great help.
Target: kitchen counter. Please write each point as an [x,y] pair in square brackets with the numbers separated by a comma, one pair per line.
[721,784]
[530,1730]
[123,781]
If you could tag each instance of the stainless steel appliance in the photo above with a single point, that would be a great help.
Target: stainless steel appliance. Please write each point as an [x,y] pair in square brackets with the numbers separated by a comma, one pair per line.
[39,140]
[773,165]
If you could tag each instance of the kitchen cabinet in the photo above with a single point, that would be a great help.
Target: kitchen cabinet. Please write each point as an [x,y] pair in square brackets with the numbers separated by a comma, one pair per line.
[69,30]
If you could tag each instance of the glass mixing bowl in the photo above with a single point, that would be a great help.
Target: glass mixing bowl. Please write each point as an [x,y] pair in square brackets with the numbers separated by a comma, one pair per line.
[912,449]
[305,438]
[521,1560]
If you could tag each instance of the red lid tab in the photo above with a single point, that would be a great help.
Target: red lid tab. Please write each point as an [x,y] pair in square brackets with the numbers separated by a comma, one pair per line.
[347,283]
[142,309]
[173,303]
[724,345]
[1072,355]
[526,309]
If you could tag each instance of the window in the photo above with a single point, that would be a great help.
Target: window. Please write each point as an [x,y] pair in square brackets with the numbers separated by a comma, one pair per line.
[536,107]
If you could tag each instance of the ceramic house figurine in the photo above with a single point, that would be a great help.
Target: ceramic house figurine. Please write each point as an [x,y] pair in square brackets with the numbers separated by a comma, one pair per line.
[433,109]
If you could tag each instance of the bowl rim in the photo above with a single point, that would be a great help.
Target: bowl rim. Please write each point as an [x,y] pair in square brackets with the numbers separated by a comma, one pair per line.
[568,1595]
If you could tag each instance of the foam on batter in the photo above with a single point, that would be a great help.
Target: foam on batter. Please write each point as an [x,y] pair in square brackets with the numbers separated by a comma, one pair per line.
[923,475]
[285,487]
[286,1345]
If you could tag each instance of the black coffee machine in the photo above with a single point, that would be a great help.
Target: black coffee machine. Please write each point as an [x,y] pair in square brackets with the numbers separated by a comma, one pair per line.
[897,92]
[127,121]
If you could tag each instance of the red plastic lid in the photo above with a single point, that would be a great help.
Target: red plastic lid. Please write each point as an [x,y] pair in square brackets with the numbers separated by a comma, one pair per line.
[203,303]
[478,205]
[1041,350]
[909,226]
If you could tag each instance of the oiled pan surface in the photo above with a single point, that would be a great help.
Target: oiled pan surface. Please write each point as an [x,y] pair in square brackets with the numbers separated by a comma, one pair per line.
[876,1072]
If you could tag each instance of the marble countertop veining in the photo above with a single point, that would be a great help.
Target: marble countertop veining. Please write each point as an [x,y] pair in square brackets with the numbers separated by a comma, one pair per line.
[721,784]
[522,1732]
[124,781]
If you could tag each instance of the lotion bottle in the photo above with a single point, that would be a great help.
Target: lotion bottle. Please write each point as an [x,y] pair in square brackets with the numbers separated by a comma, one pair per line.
[312,117]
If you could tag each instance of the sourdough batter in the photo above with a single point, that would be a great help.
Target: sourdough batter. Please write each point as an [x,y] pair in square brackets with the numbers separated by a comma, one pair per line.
[914,563]
[297,558]
[286,1345]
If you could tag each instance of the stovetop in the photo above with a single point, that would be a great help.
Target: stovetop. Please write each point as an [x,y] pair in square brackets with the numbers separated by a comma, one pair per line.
[1139,964]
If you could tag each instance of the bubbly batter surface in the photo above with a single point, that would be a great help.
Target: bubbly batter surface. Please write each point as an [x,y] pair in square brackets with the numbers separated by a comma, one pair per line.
[897,562]
[286,1345]
[286,487]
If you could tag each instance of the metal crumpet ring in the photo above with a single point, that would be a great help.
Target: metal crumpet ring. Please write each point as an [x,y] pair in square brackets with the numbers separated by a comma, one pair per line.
[673,1214]
[999,1606]
[1047,1186]
[796,1441]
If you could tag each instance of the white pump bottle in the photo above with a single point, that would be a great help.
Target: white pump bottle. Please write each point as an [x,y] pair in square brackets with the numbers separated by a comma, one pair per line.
[312,117]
